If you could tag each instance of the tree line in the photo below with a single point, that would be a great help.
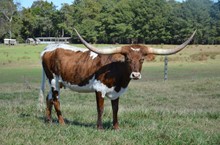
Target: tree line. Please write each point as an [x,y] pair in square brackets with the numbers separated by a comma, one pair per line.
[115,21]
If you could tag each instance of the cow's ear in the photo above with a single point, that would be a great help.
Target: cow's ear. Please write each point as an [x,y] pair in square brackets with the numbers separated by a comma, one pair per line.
[145,50]
[125,50]
[150,57]
[118,57]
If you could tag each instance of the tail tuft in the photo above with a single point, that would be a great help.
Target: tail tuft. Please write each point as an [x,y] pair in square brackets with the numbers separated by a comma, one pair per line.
[41,101]
[41,93]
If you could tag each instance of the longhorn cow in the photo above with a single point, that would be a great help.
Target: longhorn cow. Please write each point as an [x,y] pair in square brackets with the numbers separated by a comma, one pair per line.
[107,72]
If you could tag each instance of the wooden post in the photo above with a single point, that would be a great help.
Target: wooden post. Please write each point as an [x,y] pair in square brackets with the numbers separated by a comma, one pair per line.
[165,68]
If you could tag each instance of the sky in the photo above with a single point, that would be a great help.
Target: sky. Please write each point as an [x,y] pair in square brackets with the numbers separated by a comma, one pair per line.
[28,3]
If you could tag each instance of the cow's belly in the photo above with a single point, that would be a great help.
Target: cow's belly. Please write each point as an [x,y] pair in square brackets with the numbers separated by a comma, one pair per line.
[96,85]
[80,89]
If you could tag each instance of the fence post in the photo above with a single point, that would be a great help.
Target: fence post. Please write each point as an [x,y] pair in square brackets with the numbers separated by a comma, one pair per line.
[165,68]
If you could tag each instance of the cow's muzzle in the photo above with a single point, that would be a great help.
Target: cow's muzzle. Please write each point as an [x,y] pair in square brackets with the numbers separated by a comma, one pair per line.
[135,75]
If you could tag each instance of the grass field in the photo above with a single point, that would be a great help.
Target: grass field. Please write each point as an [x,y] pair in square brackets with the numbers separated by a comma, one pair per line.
[183,110]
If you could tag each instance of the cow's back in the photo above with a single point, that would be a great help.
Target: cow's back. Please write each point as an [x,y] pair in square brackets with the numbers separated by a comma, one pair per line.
[72,64]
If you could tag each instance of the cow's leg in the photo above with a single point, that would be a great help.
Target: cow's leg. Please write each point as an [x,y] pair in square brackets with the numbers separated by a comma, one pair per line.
[56,91]
[115,113]
[100,109]
[56,104]
[49,106]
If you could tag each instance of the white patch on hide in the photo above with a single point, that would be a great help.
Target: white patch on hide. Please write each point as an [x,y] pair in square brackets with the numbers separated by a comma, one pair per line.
[135,49]
[93,55]
[53,84]
[96,85]
[85,89]
[52,47]
[109,92]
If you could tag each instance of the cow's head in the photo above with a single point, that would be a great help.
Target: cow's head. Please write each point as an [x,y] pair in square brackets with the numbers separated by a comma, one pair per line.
[134,57]
[135,54]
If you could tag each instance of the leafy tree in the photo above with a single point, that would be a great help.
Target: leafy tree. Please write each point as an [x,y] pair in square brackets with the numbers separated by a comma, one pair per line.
[150,19]
[86,18]
[120,28]
[43,11]
[115,21]
[107,20]
[7,12]
[177,24]
[194,14]
[215,23]
[29,24]
[66,24]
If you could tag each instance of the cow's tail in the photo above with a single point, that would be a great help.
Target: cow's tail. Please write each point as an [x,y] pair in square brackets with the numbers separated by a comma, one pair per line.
[41,93]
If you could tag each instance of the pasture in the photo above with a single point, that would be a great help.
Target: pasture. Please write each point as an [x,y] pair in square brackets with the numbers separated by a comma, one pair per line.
[183,110]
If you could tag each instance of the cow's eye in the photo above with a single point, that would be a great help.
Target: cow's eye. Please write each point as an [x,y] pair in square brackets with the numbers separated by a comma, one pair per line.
[141,60]
[128,60]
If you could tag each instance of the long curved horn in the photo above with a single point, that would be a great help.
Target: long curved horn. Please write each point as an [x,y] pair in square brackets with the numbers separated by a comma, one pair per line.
[99,51]
[170,51]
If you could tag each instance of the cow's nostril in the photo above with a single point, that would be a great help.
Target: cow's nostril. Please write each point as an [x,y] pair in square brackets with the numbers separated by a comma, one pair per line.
[135,75]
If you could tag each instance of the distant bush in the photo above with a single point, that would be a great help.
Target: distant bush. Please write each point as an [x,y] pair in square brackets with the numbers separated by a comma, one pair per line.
[203,56]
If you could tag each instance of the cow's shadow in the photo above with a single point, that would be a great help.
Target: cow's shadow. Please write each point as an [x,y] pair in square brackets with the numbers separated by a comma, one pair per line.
[78,123]
[106,124]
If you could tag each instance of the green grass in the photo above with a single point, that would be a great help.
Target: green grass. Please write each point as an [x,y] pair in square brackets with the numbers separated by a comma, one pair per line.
[183,110]
[20,54]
